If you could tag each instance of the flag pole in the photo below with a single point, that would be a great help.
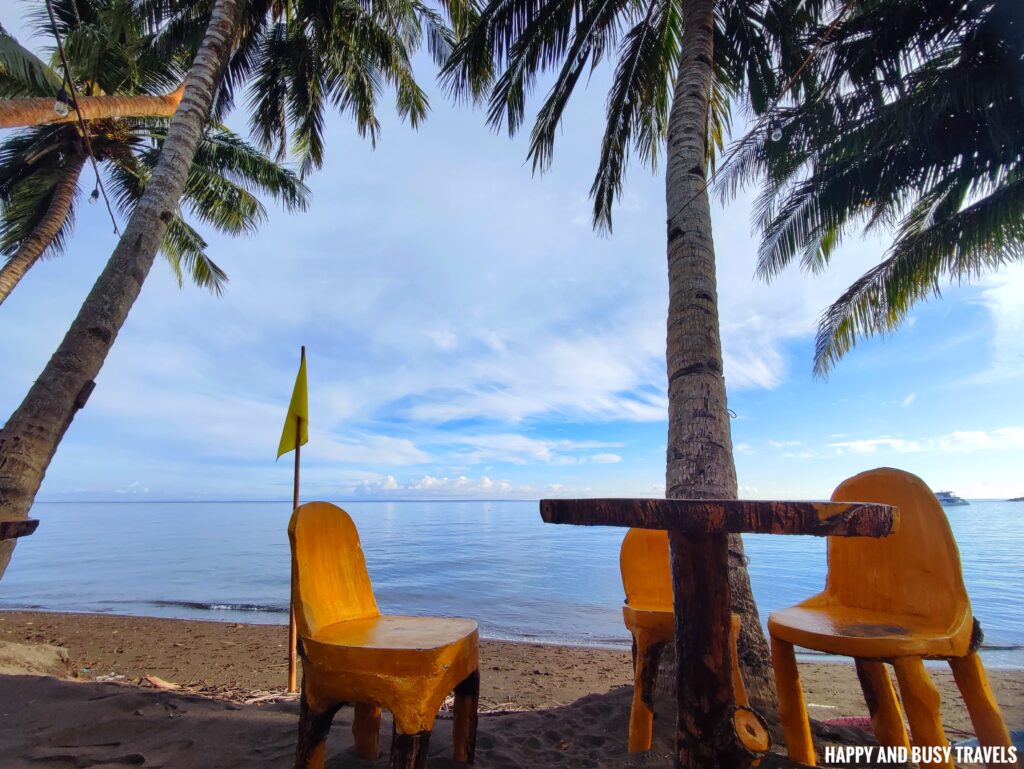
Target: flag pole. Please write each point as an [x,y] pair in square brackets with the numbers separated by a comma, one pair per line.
[293,632]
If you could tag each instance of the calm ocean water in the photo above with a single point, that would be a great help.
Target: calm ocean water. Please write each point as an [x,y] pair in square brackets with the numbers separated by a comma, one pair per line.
[493,561]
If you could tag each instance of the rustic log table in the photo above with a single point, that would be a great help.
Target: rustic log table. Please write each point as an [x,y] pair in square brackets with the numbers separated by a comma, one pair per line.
[22,527]
[706,735]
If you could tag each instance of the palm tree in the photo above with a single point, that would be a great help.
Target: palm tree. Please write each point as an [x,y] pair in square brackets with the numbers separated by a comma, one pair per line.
[677,64]
[40,167]
[30,437]
[917,125]
[341,53]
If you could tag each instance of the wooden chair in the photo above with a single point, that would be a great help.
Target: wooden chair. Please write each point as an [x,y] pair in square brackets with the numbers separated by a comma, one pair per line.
[353,654]
[648,614]
[900,599]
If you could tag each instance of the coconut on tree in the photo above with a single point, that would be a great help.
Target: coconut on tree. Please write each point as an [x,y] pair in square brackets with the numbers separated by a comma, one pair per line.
[40,167]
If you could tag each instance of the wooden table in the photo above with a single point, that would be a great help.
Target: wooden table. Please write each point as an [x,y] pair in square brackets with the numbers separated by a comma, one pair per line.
[698,532]
[21,527]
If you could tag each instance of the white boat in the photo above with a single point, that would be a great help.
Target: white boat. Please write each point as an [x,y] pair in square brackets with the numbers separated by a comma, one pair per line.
[949,499]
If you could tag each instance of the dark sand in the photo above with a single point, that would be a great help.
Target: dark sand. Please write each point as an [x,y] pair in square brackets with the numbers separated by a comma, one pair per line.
[575,700]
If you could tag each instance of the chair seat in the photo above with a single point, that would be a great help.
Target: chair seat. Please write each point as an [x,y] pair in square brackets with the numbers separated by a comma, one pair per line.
[856,632]
[417,646]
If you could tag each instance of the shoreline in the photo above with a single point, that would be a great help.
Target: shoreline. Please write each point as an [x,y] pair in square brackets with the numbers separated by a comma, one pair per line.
[231,656]
[803,656]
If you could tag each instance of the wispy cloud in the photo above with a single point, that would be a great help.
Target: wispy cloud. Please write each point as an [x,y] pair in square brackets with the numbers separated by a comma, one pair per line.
[1001,439]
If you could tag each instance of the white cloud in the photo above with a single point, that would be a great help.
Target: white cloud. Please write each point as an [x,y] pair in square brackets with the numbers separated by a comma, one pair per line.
[605,459]
[1001,439]
[910,399]
[520,449]
[1003,295]
[872,445]
[432,486]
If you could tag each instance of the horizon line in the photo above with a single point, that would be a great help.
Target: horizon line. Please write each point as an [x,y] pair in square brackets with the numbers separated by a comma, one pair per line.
[384,499]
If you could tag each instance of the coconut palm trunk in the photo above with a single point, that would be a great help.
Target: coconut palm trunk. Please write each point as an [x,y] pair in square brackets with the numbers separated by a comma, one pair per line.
[30,437]
[16,113]
[36,244]
[699,462]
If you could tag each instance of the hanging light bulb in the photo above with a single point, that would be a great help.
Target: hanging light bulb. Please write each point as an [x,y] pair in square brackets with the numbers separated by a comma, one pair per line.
[776,133]
[95,195]
[61,105]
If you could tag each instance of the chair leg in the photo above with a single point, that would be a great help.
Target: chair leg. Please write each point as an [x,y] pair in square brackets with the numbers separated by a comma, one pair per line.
[467,700]
[921,701]
[645,678]
[792,708]
[313,728]
[981,703]
[409,751]
[885,710]
[366,730]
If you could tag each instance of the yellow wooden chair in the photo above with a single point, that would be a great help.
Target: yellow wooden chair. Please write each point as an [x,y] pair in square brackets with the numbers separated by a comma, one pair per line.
[353,654]
[899,599]
[646,578]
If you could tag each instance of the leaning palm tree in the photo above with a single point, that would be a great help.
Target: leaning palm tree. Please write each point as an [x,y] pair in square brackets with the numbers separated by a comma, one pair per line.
[677,64]
[359,47]
[30,437]
[917,126]
[40,167]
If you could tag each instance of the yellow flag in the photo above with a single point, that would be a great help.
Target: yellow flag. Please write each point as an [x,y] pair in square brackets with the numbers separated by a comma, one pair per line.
[298,414]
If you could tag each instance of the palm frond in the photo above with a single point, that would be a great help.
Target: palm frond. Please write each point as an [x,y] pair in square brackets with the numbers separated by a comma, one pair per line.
[185,251]
[22,73]
[29,202]
[960,247]
[639,95]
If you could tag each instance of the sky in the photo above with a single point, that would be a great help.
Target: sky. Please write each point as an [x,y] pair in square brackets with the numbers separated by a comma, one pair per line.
[469,335]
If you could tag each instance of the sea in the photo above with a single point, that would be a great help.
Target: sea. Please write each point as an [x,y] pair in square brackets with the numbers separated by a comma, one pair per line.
[494,561]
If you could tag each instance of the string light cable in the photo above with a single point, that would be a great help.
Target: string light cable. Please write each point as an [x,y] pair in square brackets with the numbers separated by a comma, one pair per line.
[67,99]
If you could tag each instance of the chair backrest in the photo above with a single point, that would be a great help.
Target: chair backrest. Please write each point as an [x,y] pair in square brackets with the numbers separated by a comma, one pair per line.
[329,578]
[915,570]
[645,568]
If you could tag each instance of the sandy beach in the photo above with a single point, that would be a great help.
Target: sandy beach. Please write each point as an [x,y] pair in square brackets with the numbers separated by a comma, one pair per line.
[552,706]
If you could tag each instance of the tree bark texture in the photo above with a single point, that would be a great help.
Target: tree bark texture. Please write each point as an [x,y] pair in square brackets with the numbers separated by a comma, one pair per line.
[16,113]
[699,462]
[30,437]
[35,245]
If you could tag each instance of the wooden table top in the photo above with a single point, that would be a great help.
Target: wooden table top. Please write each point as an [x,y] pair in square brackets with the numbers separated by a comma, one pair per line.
[21,527]
[728,516]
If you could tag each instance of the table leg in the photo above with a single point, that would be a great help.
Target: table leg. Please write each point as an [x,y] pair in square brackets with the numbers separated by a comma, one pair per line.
[705,734]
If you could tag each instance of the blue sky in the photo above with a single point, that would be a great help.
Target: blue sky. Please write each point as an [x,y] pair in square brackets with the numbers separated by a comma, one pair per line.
[469,335]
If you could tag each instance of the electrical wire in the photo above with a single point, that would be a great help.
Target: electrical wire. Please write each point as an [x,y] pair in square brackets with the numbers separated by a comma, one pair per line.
[81,121]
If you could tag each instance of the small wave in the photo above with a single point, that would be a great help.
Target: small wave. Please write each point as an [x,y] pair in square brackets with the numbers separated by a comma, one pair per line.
[218,606]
